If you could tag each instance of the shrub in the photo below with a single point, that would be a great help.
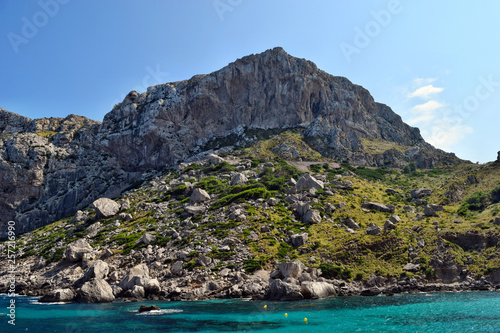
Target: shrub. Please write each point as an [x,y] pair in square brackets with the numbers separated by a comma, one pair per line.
[477,201]
[212,185]
[241,197]
[495,195]
[335,272]
[410,168]
[252,265]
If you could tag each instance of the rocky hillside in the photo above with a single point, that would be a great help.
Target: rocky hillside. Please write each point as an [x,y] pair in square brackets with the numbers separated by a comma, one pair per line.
[52,167]
[233,225]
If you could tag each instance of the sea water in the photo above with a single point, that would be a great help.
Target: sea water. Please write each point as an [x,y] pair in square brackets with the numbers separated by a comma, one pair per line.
[431,312]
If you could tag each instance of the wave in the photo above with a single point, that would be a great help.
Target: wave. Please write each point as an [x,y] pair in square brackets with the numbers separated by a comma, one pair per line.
[158,312]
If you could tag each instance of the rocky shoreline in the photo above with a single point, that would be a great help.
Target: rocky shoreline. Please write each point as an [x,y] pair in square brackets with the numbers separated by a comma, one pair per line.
[291,281]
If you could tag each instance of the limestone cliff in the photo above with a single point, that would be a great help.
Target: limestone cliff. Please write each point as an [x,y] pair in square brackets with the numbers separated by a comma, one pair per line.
[51,167]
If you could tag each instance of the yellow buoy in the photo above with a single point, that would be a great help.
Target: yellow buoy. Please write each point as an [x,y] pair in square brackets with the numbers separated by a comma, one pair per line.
[305,320]
[265,306]
[286,315]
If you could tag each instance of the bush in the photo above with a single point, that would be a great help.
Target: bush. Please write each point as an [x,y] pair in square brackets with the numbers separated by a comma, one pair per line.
[372,174]
[335,272]
[252,265]
[212,185]
[241,197]
[410,168]
[477,201]
[495,195]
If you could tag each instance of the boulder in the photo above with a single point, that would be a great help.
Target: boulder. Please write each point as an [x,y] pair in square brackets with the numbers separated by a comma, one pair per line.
[137,275]
[203,260]
[378,207]
[58,295]
[282,291]
[291,269]
[497,220]
[75,251]
[97,270]
[395,219]
[145,308]
[350,223]
[410,267]
[429,211]
[420,193]
[152,286]
[176,268]
[409,209]
[214,159]
[312,217]
[373,229]
[315,290]
[388,225]
[138,292]
[238,179]
[299,240]
[95,291]
[302,208]
[105,207]
[147,238]
[194,210]
[373,291]
[199,195]
[307,182]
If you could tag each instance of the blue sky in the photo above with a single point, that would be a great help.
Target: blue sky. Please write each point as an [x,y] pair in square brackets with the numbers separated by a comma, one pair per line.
[433,62]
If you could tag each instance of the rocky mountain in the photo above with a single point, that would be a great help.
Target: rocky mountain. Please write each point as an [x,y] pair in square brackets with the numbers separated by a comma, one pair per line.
[52,167]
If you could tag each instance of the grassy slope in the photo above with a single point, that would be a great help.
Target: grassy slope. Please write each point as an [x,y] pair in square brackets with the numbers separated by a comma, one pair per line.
[357,254]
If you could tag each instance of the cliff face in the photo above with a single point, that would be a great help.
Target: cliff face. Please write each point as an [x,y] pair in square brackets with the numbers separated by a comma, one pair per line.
[272,90]
[51,167]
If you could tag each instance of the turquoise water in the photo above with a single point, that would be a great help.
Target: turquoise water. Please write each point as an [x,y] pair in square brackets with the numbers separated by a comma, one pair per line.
[433,312]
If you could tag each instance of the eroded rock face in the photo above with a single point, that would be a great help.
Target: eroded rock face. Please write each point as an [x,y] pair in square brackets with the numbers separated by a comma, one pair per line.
[73,161]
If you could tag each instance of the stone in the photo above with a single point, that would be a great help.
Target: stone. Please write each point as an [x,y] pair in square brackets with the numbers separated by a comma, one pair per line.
[138,292]
[291,269]
[272,201]
[388,225]
[146,308]
[350,223]
[429,211]
[299,240]
[378,207]
[203,260]
[177,268]
[198,196]
[302,208]
[95,291]
[214,159]
[238,179]
[312,217]
[195,210]
[74,251]
[58,295]
[410,267]
[373,291]
[137,275]
[79,216]
[282,291]
[147,238]
[395,219]
[125,216]
[97,270]
[496,221]
[306,182]
[420,193]
[373,229]
[315,290]
[409,209]
[105,207]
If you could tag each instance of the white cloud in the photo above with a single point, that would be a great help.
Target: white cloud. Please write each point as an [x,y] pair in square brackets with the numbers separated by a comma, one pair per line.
[425,91]
[446,134]
[420,81]
[425,113]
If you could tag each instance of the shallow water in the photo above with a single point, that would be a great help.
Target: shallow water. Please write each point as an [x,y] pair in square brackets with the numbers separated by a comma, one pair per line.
[432,312]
